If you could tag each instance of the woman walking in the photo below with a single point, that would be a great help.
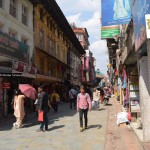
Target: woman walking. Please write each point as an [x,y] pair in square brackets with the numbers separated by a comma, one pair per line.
[83,105]
[19,109]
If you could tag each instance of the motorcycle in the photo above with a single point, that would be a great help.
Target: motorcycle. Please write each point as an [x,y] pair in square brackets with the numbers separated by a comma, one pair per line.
[107,95]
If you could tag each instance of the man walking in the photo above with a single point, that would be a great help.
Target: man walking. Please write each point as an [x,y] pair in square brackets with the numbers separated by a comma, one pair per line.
[72,97]
[42,105]
[83,106]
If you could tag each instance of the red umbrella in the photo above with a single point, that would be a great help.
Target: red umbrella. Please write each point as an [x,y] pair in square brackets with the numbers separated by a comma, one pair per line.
[28,91]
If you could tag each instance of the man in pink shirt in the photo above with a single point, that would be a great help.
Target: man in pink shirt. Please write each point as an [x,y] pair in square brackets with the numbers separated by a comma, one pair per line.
[83,105]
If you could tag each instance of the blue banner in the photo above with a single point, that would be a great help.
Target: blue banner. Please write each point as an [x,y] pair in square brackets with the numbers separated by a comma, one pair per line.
[140,9]
[115,12]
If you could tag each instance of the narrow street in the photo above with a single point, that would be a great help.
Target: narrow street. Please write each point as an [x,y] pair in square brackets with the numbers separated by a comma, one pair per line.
[64,132]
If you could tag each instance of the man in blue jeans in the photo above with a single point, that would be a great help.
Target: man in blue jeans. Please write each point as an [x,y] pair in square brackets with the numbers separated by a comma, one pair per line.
[42,105]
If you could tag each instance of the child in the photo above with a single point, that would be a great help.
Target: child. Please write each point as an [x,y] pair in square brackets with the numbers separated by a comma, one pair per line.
[83,105]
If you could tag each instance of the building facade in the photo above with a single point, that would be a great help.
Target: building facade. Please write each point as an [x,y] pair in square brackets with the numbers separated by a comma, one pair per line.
[87,66]
[132,70]
[16,47]
[57,50]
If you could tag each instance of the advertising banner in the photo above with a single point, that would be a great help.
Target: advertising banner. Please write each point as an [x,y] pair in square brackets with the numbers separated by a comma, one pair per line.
[140,9]
[13,48]
[109,31]
[115,12]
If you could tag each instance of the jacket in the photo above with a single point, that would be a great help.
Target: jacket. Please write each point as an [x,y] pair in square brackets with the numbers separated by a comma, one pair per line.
[42,101]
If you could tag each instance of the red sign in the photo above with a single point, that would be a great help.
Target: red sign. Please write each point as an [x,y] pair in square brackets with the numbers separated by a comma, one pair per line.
[6,85]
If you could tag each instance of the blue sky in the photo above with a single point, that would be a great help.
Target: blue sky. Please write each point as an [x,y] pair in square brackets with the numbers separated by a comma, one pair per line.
[86,13]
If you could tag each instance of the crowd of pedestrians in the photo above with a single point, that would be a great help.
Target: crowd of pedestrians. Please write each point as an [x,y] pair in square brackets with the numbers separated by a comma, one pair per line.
[81,99]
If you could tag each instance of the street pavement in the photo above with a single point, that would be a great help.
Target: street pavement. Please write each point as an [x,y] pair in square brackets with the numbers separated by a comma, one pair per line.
[63,134]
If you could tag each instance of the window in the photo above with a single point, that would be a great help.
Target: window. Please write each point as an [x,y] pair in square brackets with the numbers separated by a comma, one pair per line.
[24,15]
[41,39]
[12,9]
[79,36]
[1,3]
[41,14]
[48,45]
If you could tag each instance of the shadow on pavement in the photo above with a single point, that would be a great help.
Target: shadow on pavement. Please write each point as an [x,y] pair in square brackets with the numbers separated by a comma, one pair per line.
[102,109]
[95,126]
[108,104]
[63,111]
[56,127]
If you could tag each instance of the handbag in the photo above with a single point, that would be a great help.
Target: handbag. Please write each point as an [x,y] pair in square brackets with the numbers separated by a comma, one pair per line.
[41,116]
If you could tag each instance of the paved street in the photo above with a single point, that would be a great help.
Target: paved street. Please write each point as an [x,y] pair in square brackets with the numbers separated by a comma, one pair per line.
[63,132]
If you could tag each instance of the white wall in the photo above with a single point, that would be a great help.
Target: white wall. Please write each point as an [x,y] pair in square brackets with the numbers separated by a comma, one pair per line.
[144,96]
[9,22]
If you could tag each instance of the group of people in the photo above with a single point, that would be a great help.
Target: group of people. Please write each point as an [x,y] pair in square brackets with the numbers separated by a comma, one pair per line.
[80,99]
[42,103]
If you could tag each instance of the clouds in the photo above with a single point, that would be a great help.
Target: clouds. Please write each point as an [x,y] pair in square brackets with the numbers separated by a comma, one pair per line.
[86,13]
[75,6]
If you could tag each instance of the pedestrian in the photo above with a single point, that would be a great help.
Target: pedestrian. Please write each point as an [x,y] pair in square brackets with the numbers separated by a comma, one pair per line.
[55,99]
[72,97]
[102,96]
[83,106]
[96,98]
[42,105]
[19,111]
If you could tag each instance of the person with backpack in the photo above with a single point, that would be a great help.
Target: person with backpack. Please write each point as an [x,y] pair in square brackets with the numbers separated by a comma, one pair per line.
[54,101]
[83,106]
[72,97]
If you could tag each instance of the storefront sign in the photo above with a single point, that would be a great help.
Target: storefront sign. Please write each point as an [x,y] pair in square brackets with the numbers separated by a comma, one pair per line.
[109,32]
[24,68]
[6,85]
[115,12]
[147,19]
[13,48]
[140,9]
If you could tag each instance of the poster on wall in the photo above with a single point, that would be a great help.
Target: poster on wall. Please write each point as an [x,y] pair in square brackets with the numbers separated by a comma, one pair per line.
[140,9]
[115,12]
[109,31]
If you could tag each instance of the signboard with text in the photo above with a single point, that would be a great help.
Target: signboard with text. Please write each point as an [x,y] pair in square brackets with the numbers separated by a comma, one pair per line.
[109,31]
[6,85]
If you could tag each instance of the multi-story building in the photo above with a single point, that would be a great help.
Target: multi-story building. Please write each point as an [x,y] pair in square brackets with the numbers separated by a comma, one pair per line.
[129,54]
[16,46]
[57,50]
[87,67]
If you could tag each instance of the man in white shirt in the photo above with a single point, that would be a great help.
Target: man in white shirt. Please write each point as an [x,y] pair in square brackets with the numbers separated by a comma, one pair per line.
[72,97]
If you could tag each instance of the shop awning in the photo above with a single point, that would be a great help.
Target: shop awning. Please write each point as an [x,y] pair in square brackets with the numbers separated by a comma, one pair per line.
[27,75]
[42,78]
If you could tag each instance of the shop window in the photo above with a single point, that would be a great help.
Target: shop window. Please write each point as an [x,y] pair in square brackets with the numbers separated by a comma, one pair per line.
[41,39]
[24,15]
[1,3]
[12,9]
